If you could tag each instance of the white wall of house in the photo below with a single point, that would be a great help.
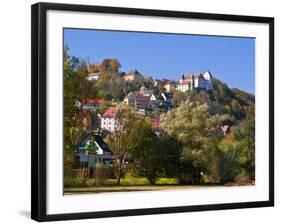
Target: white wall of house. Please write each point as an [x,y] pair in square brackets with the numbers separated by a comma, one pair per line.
[109,124]
[204,82]
[153,97]
[184,87]
[167,87]
[93,76]
[208,80]
[93,159]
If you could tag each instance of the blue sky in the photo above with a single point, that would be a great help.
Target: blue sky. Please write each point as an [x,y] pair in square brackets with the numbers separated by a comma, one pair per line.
[230,59]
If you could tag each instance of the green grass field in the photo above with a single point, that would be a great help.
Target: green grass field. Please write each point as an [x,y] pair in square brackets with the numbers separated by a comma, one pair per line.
[127,181]
[89,185]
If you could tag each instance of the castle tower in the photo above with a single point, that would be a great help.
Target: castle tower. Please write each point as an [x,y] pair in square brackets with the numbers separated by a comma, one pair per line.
[208,80]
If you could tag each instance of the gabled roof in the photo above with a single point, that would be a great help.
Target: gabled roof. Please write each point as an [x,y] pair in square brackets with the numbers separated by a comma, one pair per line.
[198,75]
[191,76]
[95,101]
[85,145]
[225,128]
[110,113]
[102,144]
[134,72]
[168,81]
[148,92]
[141,97]
[187,77]
[98,140]
[167,95]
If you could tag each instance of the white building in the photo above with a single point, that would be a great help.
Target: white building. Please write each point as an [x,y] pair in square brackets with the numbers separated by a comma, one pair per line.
[208,80]
[101,154]
[193,81]
[93,76]
[108,120]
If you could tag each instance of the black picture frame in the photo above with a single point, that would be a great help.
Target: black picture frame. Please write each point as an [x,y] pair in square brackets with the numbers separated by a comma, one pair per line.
[38,109]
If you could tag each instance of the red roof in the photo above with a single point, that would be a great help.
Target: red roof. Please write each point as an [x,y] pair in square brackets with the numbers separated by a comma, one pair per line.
[95,101]
[155,121]
[110,113]
[141,97]
[185,81]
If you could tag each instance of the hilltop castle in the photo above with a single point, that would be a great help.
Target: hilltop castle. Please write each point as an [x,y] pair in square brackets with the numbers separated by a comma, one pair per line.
[197,80]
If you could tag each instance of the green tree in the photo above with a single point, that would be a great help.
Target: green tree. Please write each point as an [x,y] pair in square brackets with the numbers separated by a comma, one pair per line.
[77,89]
[114,65]
[146,154]
[124,140]
[155,156]
[149,82]
[179,97]
[237,109]
[230,166]
[73,99]
[197,130]
[244,133]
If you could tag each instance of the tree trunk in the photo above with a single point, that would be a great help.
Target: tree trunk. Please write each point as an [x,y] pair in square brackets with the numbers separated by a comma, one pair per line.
[119,174]
[118,180]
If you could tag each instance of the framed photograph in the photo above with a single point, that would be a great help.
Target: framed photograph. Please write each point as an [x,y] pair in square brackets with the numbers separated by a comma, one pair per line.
[140,111]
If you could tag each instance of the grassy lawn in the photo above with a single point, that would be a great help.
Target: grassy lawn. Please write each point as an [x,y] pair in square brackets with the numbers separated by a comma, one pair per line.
[88,185]
[128,181]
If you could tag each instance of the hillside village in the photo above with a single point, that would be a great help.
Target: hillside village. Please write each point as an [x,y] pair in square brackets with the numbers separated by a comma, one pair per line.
[146,101]
[154,100]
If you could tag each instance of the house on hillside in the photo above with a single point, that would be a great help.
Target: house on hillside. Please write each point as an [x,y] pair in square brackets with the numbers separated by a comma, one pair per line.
[155,124]
[91,121]
[168,100]
[93,104]
[167,97]
[130,98]
[139,99]
[109,121]
[93,76]
[93,73]
[208,80]
[157,82]
[96,121]
[196,80]
[133,76]
[93,150]
[225,129]
[169,85]
[149,93]
[142,100]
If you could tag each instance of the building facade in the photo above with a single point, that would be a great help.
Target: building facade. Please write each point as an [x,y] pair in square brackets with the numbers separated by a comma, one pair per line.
[134,76]
[93,104]
[94,150]
[108,120]
[93,76]
[193,81]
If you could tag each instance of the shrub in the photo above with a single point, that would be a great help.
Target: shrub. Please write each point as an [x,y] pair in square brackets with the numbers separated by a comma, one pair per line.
[68,164]
[74,182]
[102,172]
[243,179]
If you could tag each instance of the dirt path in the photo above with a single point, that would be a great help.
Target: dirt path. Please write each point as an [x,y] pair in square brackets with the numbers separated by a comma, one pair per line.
[104,189]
